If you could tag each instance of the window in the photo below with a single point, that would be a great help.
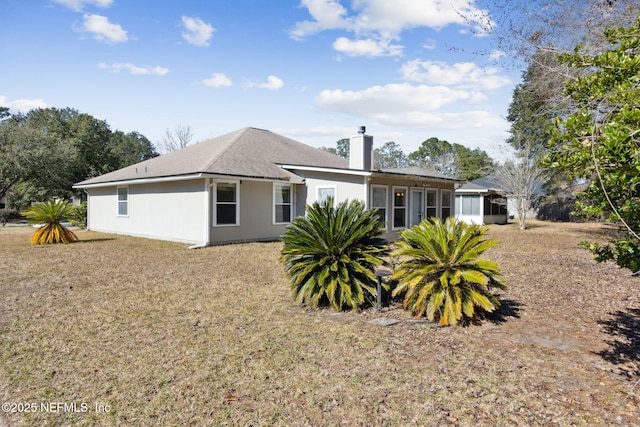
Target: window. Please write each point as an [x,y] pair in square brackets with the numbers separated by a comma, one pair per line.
[446,203]
[399,207]
[468,205]
[226,203]
[379,202]
[432,203]
[326,193]
[123,201]
[282,203]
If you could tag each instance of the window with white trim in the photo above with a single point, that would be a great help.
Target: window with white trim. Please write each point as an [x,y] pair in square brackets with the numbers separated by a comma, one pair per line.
[379,202]
[282,203]
[123,201]
[326,193]
[446,204]
[468,204]
[399,207]
[432,203]
[226,202]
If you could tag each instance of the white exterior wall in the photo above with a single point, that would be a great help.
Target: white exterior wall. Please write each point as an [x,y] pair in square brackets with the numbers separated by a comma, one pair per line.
[172,211]
[348,187]
[256,214]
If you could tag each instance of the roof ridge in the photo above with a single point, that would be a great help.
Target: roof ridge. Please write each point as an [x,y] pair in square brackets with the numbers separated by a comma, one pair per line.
[230,144]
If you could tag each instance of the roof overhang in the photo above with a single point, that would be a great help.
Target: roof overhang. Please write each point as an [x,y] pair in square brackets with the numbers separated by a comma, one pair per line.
[293,178]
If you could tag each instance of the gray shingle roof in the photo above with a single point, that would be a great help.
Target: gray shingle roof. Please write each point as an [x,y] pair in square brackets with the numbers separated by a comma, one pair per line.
[248,152]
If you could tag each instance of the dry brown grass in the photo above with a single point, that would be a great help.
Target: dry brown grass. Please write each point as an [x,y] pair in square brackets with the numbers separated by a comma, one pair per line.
[167,336]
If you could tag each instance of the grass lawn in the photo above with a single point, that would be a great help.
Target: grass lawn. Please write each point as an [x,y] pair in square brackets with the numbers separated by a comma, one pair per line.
[128,331]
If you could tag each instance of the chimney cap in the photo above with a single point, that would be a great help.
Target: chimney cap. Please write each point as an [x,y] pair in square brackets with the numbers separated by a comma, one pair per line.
[362,130]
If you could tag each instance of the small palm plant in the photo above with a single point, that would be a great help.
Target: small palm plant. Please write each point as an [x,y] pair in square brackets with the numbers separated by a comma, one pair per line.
[330,254]
[440,272]
[51,213]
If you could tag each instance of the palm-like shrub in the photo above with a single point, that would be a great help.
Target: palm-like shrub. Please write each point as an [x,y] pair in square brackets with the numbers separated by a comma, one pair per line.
[330,254]
[49,213]
[440,272]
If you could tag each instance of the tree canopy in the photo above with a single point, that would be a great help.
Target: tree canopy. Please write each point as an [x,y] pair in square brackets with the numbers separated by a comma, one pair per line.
[600,141]
[47,150]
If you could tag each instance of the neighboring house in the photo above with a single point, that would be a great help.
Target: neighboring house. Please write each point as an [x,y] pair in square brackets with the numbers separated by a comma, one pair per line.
[481,202]
[248,185]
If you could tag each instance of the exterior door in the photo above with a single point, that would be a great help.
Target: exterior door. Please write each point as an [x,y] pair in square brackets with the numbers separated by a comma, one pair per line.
[417,206]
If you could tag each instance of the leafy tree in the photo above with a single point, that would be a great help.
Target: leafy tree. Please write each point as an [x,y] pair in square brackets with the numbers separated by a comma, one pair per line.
[329,255]
[436,154]
[452,159]
[51,213]
[389,155]
[175,139]
[27,155]
[601,141]
[128,149]
[472,164]
[441,276]
[4,113]
[341,149]
[47,150]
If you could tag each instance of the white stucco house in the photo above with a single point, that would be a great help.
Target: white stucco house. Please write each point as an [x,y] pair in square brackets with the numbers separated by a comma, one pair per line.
[481,201]
[248,185]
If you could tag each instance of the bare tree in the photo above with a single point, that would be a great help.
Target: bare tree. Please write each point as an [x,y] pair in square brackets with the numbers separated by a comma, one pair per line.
[175,139]
[521,177]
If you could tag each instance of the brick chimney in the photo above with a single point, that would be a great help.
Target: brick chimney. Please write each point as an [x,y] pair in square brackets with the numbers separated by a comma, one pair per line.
[361,151]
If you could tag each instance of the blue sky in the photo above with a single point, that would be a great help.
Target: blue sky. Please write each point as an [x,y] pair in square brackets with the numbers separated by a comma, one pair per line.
[312,70]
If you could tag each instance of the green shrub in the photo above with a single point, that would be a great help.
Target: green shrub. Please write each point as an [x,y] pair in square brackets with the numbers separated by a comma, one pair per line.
[50,214]
[330,254]
[77,215]
[440,274]
[6,214]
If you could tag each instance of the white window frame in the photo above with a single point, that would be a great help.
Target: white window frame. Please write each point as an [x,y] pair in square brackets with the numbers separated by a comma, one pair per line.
[460,204]
[442,206]
[124,202]
[236,203]
[426,200]
[327,187]
[394,207]
[276,188]
[386,203]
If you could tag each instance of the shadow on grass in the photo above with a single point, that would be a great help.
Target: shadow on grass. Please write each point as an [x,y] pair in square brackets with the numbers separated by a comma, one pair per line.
[508,309]
[624,345]
[100,239]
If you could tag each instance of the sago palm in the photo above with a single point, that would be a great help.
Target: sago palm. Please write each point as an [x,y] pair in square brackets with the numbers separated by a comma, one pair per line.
[330,254]
[440,273]
[49,213]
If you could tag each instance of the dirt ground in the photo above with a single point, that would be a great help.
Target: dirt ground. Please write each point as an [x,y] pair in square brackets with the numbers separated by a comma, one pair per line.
[167,336]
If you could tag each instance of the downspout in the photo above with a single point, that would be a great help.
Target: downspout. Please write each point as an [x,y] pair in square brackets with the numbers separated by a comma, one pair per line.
[207,219]
[88,207]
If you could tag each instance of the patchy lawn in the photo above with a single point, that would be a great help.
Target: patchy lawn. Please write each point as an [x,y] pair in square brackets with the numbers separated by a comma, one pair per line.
[117,330]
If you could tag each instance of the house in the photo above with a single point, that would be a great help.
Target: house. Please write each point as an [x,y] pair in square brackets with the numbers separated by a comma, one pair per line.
[248,185]
[481,201]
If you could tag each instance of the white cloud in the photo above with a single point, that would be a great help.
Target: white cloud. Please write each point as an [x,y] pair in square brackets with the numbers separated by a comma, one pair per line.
[217,80]
[102,29]
[326,14]
[408,105]
[78,5]
[404,97]
[197,32]
[386,20]
[134,69]
[272,83]
[22,105]
[366,47]
[460,74]
[497,54]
